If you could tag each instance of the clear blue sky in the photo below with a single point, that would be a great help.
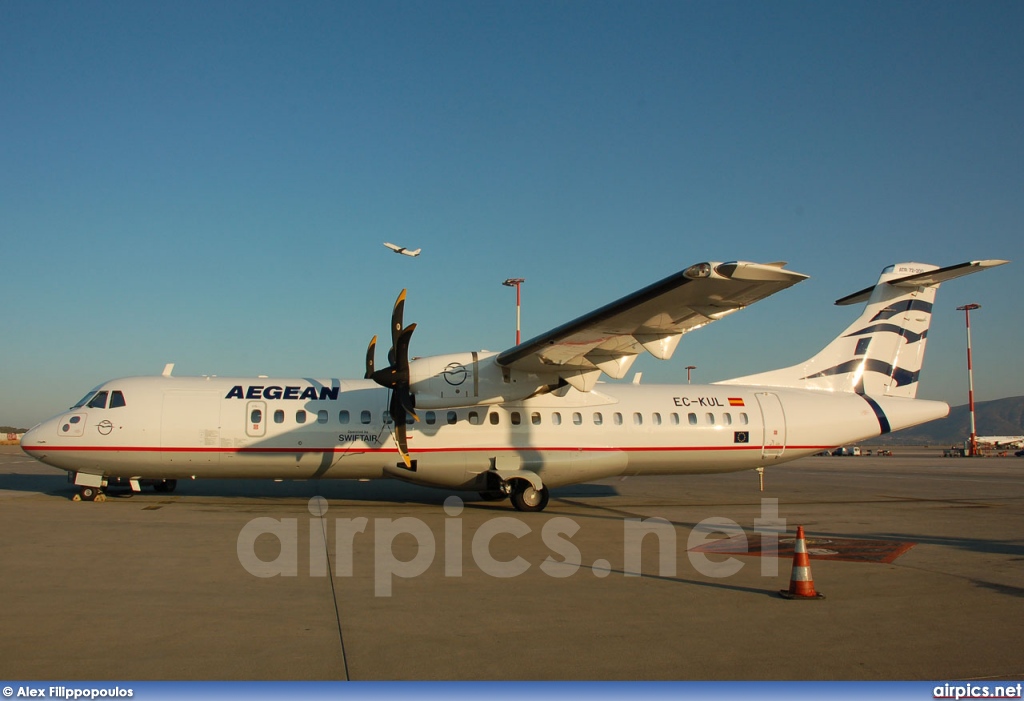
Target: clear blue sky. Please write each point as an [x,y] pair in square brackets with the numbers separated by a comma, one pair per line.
[209,183]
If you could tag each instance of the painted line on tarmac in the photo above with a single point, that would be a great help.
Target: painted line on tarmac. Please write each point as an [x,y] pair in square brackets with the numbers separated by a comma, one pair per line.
[841,549]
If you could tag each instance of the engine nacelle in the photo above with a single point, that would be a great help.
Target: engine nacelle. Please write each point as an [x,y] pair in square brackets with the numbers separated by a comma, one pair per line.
[466,379]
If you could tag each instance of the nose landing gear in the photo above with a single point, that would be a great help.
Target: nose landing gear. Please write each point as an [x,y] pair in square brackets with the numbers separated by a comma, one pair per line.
[88,493]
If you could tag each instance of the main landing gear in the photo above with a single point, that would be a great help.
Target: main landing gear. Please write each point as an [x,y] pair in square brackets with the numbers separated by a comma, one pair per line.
[523,488]
[165,486]
[526,497]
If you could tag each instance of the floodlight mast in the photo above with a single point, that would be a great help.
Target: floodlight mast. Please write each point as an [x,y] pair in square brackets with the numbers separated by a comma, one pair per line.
[967,309]
[516,282]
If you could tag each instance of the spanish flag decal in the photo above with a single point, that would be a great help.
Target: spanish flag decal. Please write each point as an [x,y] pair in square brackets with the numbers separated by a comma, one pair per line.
[736,401]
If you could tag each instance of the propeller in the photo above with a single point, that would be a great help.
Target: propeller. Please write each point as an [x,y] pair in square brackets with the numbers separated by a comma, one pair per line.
[396,376]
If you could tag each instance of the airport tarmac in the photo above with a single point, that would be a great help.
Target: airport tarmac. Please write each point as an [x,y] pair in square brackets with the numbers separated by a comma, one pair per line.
[921,560]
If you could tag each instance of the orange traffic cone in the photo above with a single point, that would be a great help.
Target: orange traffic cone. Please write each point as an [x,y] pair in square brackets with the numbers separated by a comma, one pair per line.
[801,586]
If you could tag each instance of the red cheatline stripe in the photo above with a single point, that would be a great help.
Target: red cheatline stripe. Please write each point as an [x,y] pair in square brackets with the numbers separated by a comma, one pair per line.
[356,449]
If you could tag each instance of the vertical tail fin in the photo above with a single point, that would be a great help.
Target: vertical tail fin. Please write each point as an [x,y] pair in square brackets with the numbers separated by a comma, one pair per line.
[882,352]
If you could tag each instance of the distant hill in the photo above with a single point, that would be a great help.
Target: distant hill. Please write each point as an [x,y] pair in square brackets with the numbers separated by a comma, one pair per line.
[999,417]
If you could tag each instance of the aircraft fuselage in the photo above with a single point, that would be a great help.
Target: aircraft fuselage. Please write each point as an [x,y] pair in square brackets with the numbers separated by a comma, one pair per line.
[173,428]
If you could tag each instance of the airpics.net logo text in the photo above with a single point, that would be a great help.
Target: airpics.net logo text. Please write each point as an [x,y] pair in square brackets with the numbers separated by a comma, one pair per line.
[563,559]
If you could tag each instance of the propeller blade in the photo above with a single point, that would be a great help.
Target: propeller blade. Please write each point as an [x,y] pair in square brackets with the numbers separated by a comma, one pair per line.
[396,376]
[402,350]
[403,444]
[370,352]
[407,402]
[397,321]
[397,410]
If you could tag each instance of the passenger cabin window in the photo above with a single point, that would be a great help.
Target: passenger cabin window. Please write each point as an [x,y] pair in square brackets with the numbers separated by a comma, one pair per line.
[279,416]
[638,419]
[727,419]
[452,417]
[494,418]
[300,416]
[321,416]
[674,419]
[99,401]
[692,418]
[256,417]
[617,419]
[598,418]
[516,418]
[556,419]
[343,416]
[431,418]
[710,418]
[656,419]
[743,418]
[364,417]
[535,418]
[577,418]
[474,418]
[116,399]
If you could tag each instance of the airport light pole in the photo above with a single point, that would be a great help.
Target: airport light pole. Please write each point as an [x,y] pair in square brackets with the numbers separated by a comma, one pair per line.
[688,369]
[516,282]
[967,309]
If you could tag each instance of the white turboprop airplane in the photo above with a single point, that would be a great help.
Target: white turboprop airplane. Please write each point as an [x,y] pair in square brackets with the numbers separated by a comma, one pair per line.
[517,423]
[403,250]
[998,442]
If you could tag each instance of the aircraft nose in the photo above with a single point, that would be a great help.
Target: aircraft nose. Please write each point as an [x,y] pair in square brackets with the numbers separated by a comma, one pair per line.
[33,439]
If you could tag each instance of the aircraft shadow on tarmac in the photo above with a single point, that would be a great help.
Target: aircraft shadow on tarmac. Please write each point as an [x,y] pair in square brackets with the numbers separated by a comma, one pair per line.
[43,484]
[378,490]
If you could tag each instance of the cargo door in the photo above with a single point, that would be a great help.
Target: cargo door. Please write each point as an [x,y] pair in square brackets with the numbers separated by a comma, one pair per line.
[774,420]
[190,427]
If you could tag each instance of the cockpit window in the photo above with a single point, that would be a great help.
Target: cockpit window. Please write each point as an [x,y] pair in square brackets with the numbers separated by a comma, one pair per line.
[116,399]
[83,400]
[99,401]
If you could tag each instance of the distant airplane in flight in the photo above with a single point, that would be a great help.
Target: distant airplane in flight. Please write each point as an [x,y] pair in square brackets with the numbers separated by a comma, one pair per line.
[403,250]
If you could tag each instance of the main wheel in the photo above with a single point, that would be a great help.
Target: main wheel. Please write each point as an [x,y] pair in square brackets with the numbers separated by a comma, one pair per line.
[165,485]
[88,493]
[529,498]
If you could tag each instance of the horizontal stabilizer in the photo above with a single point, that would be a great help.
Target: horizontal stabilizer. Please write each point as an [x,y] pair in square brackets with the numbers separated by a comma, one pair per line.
[925,278]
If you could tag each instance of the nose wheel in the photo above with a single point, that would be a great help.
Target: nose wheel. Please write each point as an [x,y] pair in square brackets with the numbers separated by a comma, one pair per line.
[89,494]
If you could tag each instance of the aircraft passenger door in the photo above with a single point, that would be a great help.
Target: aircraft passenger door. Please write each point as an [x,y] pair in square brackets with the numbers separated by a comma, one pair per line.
[256,419]
[774,417]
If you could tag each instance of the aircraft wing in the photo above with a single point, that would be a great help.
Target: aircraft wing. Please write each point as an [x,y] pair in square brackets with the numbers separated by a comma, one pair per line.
[654,319]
